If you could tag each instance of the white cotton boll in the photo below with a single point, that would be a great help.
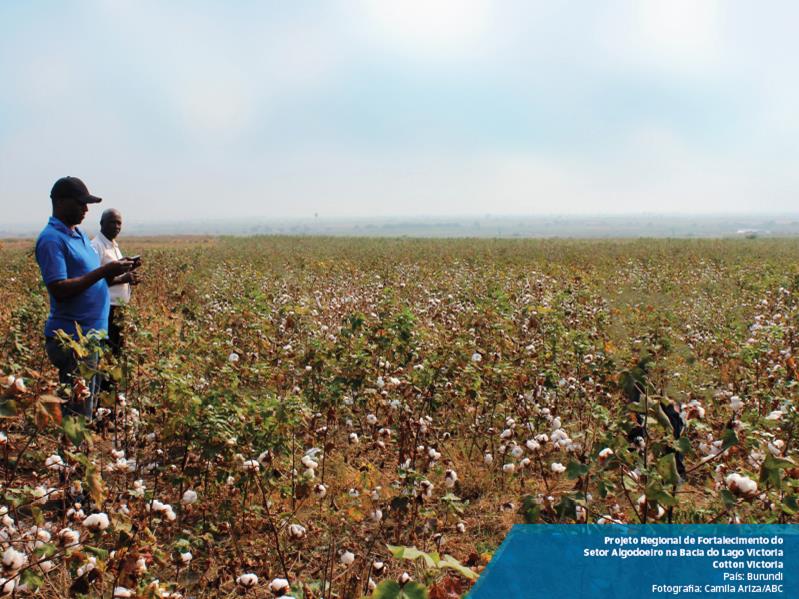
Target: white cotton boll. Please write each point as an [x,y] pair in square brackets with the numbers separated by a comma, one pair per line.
[186,557]
[555,423]
[296,531]
[741,485]
[488,459]
[776,447]
[509,468]
[557,468]
[141,566]
[775,415]
[380,382]
[506,434]
[170,514]
[250,580]
[14,560]
[122,593]
[117,454]
[46,566]
[394,380]
[580,514]
[97,521]
[347,557]
[54,462]
[404,578]
[251,466]
[353,438]
[736,403]
[517,451]
[309,462]
[532,445]
[371,419]
[68,536]
[353,492]
[450,478]
[189,497]
[320,491]
[138,489]
[605,454]
[233,357]
[427,488]
[542,438]
[476,357]
[43,535]
[376,515]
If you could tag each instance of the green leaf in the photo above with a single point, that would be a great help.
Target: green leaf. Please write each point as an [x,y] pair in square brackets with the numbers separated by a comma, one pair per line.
[390,589]
[576,470]
[451,562]
[667,468]
[684,446]
[8,408]
[30,578]
[660,416]
[75,429]
[411,553]
[97,551]
[45,550]
[665,499]
[790,505]
[729,439]
[728,498]
[530,509]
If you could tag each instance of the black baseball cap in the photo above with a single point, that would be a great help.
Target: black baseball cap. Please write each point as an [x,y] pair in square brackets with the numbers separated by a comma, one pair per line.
[72,187]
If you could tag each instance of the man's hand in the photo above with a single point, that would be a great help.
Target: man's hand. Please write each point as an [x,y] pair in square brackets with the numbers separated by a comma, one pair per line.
[131,278]
[68,288]
[116,268]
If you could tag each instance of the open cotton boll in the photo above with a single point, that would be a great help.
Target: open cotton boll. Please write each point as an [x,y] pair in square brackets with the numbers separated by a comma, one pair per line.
[557,468]
[296,531]
[741,485]
[736,403]
[251,466]
[250,580]
[14,560]
[189,497]
[186,557]
[122,593]
[54,462]
[308,462]
[97,521]
[347,557]
[450,478]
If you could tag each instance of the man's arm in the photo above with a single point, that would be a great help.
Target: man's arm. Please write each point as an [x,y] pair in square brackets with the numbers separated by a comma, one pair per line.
[67,288]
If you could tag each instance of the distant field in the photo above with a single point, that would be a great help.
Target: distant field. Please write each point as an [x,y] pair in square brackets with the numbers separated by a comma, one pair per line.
[333,395]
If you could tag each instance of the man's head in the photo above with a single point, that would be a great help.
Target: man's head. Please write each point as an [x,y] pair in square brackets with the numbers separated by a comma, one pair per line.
[71,198]
[111,223]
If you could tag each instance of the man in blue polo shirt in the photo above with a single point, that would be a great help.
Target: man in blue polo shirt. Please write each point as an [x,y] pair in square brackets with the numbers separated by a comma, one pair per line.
[75,281]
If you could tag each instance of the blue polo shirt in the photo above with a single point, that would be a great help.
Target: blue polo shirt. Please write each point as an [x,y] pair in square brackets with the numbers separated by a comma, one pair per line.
[65,254]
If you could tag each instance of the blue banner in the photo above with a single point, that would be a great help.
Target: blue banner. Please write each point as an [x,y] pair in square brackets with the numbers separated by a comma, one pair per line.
[595,561]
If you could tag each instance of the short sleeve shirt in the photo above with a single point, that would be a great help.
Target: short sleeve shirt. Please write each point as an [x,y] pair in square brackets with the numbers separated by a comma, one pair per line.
[65,254]
[108,250]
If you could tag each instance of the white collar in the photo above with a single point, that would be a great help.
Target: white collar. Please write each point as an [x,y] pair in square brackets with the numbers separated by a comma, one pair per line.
[105,241]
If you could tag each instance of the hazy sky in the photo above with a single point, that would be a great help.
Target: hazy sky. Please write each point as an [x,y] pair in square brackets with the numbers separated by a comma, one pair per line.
[232,109]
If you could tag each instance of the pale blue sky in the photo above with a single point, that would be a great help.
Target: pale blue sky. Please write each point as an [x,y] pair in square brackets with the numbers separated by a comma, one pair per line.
[374,108]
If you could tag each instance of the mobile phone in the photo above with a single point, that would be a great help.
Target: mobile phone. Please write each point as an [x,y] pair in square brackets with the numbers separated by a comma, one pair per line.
[135,258]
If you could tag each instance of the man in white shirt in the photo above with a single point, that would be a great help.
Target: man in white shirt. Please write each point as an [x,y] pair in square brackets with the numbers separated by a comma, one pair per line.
[119,289]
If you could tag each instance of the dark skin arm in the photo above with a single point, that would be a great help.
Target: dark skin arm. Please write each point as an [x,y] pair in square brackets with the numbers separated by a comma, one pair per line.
[68,288]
